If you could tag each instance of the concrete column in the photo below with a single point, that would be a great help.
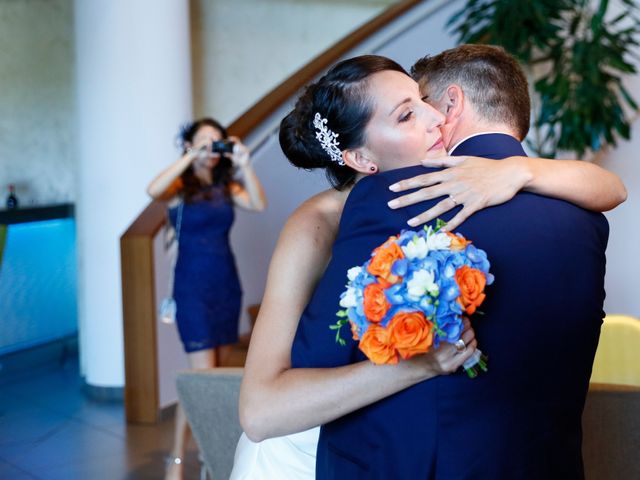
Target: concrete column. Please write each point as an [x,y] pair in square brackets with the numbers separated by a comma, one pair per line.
[133,91]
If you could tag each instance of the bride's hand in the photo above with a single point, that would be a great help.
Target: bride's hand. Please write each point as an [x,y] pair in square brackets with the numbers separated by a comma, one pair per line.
[473,183]
[446,358]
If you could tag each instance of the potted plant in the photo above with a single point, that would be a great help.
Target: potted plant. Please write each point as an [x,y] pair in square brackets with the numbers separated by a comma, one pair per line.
[576,53]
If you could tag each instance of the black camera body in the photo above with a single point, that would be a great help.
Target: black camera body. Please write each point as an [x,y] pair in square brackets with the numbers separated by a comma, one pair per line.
[222,146]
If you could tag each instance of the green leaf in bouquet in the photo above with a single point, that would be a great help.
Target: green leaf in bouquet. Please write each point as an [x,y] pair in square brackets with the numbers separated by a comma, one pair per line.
[440,224]
[438,331]
[341,322]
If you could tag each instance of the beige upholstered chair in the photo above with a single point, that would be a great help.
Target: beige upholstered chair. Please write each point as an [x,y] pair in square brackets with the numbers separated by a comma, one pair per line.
[611,433]
[210,401]
[611,420]
[611,423]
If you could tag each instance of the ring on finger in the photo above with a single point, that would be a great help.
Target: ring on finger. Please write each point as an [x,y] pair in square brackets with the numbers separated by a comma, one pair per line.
[455,202]
[460,345]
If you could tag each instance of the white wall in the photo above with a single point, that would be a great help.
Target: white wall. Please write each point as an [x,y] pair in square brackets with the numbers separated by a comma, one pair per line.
[37,115]
[623,260]
[287,187]
[244,48]
[238,57]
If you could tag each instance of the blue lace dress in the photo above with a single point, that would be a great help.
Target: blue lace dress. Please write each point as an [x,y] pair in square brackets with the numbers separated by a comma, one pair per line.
[206,285]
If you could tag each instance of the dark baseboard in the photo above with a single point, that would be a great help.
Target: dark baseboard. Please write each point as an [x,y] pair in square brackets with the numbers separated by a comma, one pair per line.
[52,354]
[103,394]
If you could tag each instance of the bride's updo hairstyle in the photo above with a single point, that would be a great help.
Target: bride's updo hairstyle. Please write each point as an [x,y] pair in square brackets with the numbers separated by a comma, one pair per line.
[342,99]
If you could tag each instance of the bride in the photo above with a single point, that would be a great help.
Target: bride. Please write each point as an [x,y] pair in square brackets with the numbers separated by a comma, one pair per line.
[281,407]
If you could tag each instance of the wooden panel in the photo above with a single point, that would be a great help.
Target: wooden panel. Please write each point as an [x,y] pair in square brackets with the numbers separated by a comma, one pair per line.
[149,222]
[139,313]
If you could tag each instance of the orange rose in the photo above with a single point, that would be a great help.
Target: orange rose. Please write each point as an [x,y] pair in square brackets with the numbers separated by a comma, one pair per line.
[471,282]
[375,302]
[457,243]
[376,345]
[383,258]
[411,333]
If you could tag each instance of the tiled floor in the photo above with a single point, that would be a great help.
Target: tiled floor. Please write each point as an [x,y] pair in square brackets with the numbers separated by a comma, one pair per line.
[50,430]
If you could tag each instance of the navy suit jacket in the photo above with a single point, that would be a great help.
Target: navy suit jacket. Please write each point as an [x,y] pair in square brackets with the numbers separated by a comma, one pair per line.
[522,419]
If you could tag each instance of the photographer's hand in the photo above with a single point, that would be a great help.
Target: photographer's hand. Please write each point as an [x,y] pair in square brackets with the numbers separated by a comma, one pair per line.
[201,153]
[246,193]
[241,154]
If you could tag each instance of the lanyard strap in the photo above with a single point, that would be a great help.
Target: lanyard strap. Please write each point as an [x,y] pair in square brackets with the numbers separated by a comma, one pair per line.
[177,239]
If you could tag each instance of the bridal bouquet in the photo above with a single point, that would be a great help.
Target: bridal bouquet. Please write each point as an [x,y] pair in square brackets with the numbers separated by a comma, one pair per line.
[412,293]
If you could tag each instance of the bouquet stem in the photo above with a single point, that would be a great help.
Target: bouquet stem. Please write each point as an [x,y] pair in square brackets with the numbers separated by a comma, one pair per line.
[478,362]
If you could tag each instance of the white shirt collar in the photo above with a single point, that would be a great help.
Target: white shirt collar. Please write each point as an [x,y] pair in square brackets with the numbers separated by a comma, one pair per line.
[451,150]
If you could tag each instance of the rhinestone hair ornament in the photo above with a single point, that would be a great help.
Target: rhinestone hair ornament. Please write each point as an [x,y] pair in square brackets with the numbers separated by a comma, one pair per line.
[327,139]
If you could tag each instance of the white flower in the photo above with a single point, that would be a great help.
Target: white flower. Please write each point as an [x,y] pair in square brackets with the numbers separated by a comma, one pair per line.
[353,273]
[438,241]
[348,299]
[416,248]
[422,283]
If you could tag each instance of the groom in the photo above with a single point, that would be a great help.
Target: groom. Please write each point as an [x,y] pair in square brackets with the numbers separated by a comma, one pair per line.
[483,94]
[522,419]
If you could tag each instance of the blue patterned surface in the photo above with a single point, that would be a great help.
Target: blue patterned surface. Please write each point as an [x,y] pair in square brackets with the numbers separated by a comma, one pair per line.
[38,284]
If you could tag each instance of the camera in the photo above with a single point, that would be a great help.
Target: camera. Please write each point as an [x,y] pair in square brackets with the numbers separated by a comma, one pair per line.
[222,146]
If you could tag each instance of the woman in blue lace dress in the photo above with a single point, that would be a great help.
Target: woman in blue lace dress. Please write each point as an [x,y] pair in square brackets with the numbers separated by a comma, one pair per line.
[202,188]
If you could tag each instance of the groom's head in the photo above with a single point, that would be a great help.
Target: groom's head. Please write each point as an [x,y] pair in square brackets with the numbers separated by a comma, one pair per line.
[480,88]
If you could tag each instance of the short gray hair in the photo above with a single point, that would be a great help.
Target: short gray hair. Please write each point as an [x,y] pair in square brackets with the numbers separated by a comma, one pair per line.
[491,79]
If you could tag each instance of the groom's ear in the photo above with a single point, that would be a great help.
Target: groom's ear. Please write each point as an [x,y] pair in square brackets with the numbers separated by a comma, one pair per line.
[355,159]
[453,102]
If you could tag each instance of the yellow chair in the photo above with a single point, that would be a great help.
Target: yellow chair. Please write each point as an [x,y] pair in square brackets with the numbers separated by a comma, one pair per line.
[617,359]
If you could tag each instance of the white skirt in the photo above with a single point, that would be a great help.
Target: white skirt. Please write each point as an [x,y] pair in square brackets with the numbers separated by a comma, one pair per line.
[289,457]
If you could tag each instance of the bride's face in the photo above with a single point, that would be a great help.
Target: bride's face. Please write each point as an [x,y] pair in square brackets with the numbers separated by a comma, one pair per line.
[403,129]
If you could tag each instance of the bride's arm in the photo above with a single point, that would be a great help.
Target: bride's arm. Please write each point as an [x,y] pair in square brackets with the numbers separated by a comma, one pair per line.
[478,183]
[276,399]
[581,183]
